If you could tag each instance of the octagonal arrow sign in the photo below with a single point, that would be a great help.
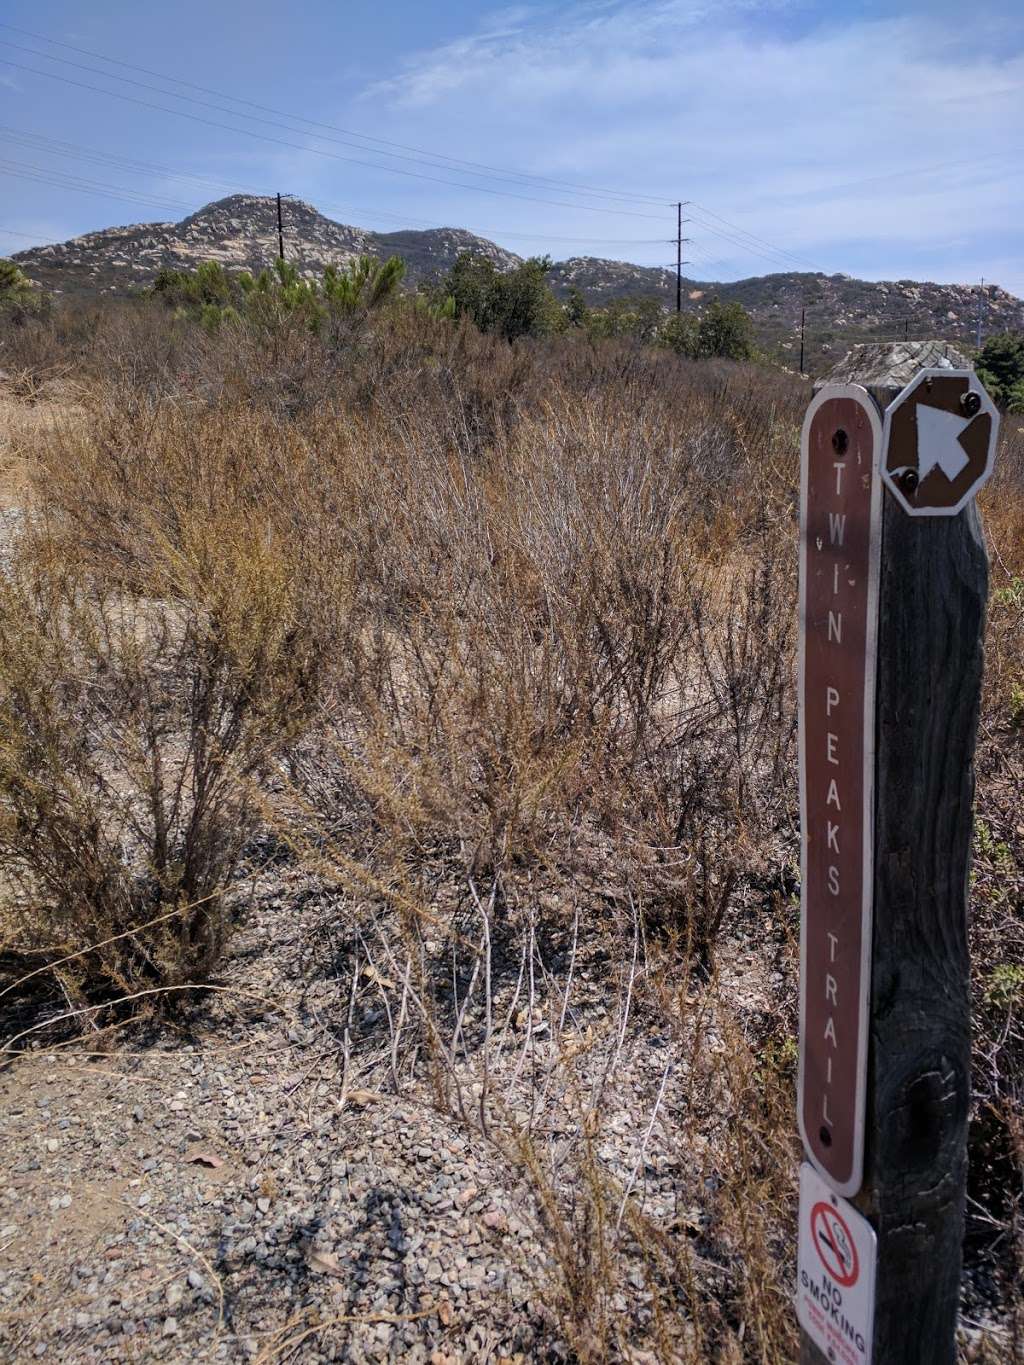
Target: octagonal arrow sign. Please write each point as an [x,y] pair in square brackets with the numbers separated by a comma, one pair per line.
[939,442]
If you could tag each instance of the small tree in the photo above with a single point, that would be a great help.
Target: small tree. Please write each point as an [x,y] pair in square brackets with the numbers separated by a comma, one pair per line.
[365,283]
[638,318]
[513,303]
[19,298]
[281,295]
[438,307]
[470,283]
[1000,366]
[725,330]
[679,333]
[523,303]
[577,312]
[208,285]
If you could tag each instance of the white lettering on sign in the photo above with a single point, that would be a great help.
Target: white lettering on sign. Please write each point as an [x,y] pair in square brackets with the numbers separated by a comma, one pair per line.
[839,555]
[836,1258]
[836,532]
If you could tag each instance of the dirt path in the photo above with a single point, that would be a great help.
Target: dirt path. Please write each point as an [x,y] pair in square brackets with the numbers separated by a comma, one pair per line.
[214,1193]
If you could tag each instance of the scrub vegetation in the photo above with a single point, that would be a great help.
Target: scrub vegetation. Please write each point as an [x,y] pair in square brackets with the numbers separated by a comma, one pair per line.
[490,637]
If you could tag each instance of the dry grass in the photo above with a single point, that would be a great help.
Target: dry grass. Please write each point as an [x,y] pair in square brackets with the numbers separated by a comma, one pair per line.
[500,641]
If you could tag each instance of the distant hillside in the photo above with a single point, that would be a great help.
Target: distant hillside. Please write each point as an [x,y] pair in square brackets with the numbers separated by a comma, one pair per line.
[241,232]
[840,310]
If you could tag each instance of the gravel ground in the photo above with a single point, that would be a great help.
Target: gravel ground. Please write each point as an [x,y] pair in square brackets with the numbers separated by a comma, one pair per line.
[220,1190]
[251,1183]
[10,521]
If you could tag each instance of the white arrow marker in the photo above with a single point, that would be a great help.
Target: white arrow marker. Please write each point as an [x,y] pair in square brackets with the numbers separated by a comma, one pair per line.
[938,442]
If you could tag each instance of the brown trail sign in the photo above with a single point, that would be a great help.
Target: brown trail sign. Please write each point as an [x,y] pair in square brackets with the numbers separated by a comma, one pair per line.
[940,442]
[916,751]
[839,543]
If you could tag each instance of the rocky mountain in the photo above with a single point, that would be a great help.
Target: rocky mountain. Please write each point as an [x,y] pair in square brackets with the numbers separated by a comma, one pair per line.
[838,309]
[241,233]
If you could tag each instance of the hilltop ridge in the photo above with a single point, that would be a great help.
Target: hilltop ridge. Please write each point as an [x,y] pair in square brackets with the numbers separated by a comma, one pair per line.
[240,232]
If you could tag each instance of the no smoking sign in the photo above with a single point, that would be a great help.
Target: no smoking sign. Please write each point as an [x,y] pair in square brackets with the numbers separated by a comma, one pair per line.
[835,1292]
[834,1244]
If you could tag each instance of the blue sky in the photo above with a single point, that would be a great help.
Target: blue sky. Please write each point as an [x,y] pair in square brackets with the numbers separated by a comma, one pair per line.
[880,140]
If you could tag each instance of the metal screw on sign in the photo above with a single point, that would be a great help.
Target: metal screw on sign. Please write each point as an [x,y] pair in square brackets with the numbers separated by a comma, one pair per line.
[893,584]
[909,481]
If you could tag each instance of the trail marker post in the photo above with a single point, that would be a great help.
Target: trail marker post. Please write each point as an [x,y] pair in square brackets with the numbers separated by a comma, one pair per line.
[894,579]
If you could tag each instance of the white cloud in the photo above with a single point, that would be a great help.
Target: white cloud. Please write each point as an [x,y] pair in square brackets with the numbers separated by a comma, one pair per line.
[810,136]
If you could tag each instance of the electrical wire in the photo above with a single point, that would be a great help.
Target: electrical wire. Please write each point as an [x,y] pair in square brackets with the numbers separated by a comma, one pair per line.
[57,147]
[746,241]
[60,180]
[422,160]
[740,237]
[318,151]
[526,176]
[742,232]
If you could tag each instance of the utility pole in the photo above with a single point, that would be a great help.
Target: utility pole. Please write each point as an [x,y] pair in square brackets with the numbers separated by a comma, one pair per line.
[981,298]
[280,229]
[803,319]
[680,239]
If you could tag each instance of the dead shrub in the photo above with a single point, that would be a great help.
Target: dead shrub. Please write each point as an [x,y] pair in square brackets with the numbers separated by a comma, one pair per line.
[134,728]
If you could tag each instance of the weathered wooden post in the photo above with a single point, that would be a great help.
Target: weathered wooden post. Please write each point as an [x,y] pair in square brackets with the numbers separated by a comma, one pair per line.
[894,577]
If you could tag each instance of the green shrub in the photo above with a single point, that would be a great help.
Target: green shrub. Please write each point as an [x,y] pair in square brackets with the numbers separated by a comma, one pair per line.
[1000,367]
[679,333]
[1005,986]
[723,331]
[514,303]
[19,297]
[212,296]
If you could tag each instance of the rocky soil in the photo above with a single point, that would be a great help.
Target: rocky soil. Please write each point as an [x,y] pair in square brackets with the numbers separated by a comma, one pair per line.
[271,1177]
[231,1189]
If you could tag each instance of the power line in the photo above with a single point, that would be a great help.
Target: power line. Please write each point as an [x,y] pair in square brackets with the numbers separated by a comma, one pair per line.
[421,160]
[57,147]
[745,241]
[318,151]
[314,123]
[737,234]
[740,237]
[59,180]
[13,232]
[908,171]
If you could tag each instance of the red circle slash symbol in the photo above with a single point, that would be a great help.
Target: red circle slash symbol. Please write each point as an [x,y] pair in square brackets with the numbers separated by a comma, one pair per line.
[834,1244]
